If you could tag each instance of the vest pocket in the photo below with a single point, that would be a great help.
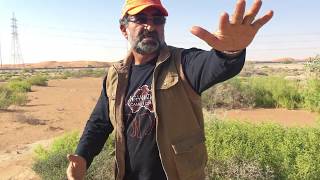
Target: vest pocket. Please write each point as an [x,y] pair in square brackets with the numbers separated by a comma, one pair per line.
[165,82]
[190,156]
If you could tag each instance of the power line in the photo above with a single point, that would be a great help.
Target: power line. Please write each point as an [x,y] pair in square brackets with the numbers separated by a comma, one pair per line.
[15,51]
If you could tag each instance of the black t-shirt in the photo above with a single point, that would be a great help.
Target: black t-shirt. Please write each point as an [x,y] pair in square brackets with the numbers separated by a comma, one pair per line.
[142,156]
[202,69]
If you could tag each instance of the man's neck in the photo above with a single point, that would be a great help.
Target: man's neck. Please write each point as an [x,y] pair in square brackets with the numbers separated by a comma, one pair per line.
[141,59]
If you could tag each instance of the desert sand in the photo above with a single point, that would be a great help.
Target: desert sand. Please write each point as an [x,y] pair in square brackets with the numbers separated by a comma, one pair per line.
[63,106]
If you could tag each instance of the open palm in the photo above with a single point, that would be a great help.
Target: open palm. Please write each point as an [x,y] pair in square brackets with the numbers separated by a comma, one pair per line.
[238,33]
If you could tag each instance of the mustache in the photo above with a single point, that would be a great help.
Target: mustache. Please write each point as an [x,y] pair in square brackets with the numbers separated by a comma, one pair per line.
[146,33]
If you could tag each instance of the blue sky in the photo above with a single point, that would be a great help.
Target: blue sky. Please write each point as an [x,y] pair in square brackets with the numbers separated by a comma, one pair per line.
[64,30]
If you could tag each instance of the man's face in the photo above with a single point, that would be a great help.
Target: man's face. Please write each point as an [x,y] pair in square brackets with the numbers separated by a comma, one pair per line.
[145,31]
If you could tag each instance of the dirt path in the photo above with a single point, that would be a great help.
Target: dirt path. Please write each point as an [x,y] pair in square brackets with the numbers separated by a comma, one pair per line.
[65,105]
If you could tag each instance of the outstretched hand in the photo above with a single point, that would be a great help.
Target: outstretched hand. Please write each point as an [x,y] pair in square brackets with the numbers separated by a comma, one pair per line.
[238,33]
[77,167]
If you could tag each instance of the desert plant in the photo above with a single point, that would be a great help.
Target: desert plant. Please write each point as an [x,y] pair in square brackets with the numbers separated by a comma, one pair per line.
[254,92]
[38,80]
[263,151]
[229,94]
[52,163]
[275,92]
[19,86]
[11,97]
[313,66]
[236,150]
[312,95]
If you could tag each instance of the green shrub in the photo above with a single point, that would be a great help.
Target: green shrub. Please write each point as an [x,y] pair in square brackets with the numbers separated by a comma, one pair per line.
[11,97]
[52,163]
[38,80]
[83,73]
[254,92]
[229,94]
[312,95]
[240,150]
[236,150]
[19,86]
[275,92]
[4,97]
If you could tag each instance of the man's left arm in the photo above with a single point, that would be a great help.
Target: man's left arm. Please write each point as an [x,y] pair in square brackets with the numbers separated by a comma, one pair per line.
[203,69]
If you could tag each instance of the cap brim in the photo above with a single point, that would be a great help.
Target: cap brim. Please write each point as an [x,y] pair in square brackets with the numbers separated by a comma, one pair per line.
[138,9]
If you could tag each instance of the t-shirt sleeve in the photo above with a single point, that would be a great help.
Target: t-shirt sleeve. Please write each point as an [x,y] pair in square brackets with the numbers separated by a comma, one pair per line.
[203,68]
[97,129]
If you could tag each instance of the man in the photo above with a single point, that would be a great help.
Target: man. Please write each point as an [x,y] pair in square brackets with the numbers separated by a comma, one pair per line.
[152,98]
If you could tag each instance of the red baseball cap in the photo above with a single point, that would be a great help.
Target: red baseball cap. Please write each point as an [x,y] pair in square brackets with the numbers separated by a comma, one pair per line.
[133,7]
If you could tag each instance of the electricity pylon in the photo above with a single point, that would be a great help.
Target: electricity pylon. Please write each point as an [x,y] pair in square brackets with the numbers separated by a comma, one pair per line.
[15,46]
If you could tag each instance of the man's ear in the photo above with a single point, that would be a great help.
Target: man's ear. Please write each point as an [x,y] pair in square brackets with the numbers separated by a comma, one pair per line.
[123,29]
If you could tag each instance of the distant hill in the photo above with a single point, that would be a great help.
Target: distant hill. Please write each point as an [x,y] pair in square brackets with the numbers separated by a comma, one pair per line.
[65,64]
[288,60]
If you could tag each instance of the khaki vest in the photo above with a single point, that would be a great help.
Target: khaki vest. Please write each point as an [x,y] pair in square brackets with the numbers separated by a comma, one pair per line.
[179,120]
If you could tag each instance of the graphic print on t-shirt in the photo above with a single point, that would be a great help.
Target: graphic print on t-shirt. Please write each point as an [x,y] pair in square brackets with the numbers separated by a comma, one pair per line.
[142,113]
[141,98]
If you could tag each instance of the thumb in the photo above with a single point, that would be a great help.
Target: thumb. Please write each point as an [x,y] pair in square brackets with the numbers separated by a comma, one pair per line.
[205,35]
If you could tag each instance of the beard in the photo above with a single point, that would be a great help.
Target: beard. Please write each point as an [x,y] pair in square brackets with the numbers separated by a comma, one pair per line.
[147,42]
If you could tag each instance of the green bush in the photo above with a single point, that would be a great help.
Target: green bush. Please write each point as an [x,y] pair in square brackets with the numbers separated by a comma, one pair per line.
[254,92]
[312,95]
[229,94]
[5,102]
[51,164]
[9,97]
[236,150]
[275,92]
[239,150]
[38,80]
[83,73]
[19,86]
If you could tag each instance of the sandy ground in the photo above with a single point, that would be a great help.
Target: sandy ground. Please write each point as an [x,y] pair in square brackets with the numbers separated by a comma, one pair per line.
[65,105]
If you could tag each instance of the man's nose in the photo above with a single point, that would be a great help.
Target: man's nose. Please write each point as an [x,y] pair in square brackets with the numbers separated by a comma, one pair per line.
[149,26]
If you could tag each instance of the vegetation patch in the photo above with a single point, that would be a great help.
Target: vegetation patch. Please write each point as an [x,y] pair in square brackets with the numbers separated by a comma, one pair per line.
[51,164]
[14,92]
[265,151]
[38,80]
[11,97]
[250,92]
[236,150]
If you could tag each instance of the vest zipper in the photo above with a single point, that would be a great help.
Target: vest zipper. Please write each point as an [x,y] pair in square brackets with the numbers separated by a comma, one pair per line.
[155,110]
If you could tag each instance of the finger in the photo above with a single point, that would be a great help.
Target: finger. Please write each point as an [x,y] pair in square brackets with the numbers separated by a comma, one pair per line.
[237,17]
[73,158]
[224,21]
[263,20]
[249,17]
[205,35]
